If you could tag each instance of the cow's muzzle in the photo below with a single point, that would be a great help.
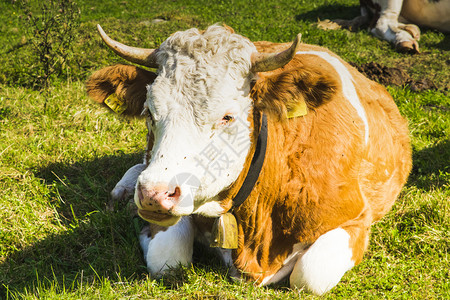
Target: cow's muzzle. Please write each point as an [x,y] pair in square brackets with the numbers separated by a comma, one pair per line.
[155,203]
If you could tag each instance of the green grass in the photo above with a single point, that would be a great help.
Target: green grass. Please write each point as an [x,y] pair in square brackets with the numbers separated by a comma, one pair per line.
[61,154]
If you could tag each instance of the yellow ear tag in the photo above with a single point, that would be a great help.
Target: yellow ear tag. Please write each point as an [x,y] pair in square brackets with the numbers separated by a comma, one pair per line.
[224,232]
[116,104]
[298,110]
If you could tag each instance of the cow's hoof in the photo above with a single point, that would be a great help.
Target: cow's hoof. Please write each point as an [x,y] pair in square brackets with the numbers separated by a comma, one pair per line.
[120,193]
[408,47]
[413,30]
[352,25]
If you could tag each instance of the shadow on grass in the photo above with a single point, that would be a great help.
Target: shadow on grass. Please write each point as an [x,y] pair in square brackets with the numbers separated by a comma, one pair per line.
[97,242]
[429,166]
[84,186]
[445,44]
[331,12]
[101,243]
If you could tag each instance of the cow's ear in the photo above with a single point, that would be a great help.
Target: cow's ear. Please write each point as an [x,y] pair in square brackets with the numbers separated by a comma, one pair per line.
[293,92]
[122,88]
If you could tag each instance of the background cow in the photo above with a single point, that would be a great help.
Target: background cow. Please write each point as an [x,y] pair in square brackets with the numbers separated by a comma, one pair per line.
[396,21]
[336,157]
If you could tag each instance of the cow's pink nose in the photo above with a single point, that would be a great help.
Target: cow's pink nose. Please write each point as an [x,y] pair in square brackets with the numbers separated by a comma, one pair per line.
[159,198]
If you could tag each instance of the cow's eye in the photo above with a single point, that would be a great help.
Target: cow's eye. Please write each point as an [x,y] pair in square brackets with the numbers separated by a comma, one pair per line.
[227,119]
[224,122]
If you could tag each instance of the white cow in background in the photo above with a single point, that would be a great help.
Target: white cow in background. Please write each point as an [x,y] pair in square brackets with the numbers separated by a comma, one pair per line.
[397,21]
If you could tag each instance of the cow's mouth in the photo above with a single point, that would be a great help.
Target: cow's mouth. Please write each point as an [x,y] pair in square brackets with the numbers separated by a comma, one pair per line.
[158,218]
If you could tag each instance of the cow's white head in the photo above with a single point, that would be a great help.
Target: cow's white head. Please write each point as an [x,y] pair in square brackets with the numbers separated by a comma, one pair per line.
[197,110]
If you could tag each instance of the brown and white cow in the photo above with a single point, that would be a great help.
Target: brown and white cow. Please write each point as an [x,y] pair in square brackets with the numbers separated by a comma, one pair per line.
[337,153]
[397,21]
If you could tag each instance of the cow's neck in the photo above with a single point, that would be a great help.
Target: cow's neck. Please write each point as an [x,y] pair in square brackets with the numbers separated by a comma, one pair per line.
[258,213]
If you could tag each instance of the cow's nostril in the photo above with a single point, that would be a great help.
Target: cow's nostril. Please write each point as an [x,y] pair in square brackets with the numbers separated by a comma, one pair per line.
[176,193]
[158,198]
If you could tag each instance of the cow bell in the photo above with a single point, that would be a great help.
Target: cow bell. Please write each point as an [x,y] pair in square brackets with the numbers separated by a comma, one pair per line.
[224,233]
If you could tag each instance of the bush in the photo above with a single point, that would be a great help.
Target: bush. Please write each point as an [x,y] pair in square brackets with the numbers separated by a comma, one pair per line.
[51,29]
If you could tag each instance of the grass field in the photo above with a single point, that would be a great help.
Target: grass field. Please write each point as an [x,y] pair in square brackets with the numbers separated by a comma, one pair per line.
[61,154]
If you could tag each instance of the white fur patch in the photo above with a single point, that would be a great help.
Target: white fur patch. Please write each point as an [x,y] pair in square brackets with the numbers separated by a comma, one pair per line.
[168,248]
[210,209]
[348,88]
[125,187]
[324,263]
[288,265]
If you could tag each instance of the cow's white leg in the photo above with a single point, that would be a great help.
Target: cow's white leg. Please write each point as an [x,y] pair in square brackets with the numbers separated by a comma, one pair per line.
[169,247]
[125,187]
[321,267]
[388,28]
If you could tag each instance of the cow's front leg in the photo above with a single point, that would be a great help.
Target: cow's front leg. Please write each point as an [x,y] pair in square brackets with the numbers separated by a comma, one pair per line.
[404,37]
[388,28]
[167,247]
[125,187]
[324,263]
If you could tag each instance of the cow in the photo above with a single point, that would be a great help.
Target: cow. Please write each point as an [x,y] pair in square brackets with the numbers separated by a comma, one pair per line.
[397,21]
[280,155]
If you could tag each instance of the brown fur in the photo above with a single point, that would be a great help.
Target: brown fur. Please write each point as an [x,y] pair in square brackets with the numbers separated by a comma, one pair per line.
[318,174]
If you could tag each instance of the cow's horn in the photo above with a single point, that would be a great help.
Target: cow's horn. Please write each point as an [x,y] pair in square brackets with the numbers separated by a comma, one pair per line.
[140,56]
[263,62]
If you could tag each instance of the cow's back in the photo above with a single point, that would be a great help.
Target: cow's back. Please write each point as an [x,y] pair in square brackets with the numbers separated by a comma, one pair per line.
[388,161]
